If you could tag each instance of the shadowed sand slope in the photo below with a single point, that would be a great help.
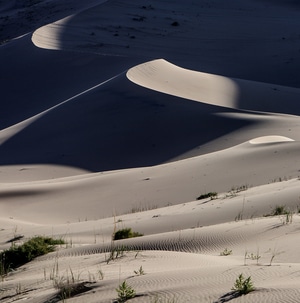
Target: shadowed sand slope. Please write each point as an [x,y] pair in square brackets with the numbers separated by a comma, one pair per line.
[18,17]
[86,114]
[115,126]
[254,40]
[120,125]
[34,80]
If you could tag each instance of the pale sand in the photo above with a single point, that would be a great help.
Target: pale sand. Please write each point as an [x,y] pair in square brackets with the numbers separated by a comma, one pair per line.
[125,121]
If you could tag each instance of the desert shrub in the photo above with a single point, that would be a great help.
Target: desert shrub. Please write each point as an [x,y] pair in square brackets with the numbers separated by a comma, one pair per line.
[211,195]
[16,256]
[125,292]
[126,233]
[116,252]
[243,286]
[281,210]
[68,290]
[252,256]
[140,271]
[278,211]
[226,252]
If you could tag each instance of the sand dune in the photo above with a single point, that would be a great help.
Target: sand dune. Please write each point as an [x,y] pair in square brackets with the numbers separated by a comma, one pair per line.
[162,76]
[121,115]
[234,46]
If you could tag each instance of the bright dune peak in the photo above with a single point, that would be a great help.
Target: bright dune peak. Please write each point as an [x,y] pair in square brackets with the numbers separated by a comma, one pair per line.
[270,139]
[48,36]
[163,76]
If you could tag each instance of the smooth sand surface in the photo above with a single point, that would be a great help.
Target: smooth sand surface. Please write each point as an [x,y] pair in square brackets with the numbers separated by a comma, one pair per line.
[121,114]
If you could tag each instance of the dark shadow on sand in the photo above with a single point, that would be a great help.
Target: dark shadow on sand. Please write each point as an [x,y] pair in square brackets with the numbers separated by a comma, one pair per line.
[116,126]
[228,297]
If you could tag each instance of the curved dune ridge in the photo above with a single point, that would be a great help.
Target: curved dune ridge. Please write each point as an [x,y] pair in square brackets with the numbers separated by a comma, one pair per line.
[199,156]
[168,78]
[48,36]
[165,77]
[270,139]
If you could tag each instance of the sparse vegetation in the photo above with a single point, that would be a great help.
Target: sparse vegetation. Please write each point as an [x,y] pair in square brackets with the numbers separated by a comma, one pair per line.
[243,286]
[240,215]
[281,210]
[252,256]
[240,188]
[125,292]
[68,290]
[278,210]
[126,233]
[19,255]
[116,252]
[226,252]
[211,195]
[140,208]
[236,189]
[274,253]
[140,271]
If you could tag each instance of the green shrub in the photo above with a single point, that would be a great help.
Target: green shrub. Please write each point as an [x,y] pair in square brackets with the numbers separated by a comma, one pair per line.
[116,252]
[243,286]
[140,271]
[125,233]
[278,211]
[226,252]
[125,292]
[17,256]
[281,210]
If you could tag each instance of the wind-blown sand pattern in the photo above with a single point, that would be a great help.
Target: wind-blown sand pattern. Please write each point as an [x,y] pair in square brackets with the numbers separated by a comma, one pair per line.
[121,114]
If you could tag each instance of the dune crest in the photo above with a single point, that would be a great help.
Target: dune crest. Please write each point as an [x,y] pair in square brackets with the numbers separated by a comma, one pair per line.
[270,139]
[163,76]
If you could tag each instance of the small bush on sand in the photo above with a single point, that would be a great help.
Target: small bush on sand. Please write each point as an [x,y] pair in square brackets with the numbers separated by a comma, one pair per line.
[116,252]
[226,252]
[281,210]
[140,271]
[243,286]
[125,292]
[278,211]
[126,233]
